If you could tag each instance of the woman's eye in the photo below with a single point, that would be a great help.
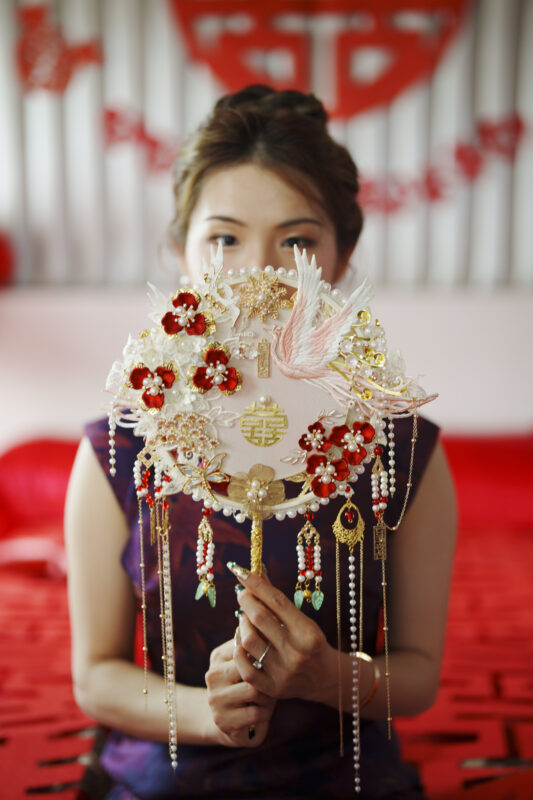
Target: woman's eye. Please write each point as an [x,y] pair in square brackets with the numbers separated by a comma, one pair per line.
[299,241]
[226,239]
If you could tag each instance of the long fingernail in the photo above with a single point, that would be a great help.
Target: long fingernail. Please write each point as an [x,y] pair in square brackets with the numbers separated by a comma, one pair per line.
[241,572]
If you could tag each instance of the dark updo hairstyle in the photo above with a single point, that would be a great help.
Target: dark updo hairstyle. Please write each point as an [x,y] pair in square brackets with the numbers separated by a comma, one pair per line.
[285,132]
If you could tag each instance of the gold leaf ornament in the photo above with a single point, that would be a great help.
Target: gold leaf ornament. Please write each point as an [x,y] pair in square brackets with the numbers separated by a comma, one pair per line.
[256,491]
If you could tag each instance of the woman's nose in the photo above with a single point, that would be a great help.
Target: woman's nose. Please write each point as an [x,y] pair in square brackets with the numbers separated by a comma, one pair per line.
[263,254]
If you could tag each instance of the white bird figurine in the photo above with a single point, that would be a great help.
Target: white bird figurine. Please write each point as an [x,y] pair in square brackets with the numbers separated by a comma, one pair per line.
[303,350]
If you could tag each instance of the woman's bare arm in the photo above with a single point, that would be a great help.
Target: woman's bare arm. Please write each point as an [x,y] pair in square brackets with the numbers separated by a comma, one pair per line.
[107,685]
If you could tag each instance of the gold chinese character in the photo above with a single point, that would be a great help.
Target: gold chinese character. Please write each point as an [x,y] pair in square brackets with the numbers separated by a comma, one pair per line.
[263,424]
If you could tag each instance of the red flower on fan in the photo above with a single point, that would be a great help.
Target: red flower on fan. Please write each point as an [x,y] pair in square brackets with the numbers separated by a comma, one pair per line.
[315,438]
[152,384]
[216,372]
[327,474]
[352,440]
[187,317]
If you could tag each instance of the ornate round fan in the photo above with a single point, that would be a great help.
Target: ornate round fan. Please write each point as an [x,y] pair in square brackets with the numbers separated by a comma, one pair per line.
[263,393]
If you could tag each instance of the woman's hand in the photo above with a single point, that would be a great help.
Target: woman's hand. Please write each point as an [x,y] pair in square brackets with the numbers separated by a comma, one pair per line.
[241,712]
[299,662]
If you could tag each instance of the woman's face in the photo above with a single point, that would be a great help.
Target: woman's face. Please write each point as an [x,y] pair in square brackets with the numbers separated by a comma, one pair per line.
[259,218]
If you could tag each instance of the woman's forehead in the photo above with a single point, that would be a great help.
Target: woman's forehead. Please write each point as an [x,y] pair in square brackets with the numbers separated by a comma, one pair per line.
[250,190]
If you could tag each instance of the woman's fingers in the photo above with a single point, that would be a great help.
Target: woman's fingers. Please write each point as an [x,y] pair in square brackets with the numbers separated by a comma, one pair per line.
[278,604]
[250,639]
[259,679]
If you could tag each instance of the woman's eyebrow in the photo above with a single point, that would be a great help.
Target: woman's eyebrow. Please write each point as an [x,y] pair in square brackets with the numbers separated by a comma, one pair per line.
[222,218]
[298,221]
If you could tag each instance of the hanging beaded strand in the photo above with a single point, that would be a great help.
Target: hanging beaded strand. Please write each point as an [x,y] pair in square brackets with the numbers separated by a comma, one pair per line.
[379,506]
[205,551]
[380,495]
[162,528]
[351,536]
[142,492]
[309,565]
[112,450]
[392,460]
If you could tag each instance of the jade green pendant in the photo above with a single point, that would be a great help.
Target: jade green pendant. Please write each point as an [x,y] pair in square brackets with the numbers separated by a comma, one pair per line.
[298,598]
[317,598]
[200,590]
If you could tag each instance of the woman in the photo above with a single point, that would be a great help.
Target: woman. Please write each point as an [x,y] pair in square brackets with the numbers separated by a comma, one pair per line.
[261,175]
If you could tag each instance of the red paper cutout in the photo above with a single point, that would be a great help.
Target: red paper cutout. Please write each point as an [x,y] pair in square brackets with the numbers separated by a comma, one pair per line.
[469,161]
[125,125]
[497,139]
[379,49]
[501,137]
[43,57]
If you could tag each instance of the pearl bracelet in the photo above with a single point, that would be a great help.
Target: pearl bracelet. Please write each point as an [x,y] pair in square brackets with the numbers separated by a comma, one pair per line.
[377,676]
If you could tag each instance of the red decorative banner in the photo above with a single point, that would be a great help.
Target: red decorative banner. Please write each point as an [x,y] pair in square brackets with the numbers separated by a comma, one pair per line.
[377,48]
[495,140]
[123,125]
[7,259]
[43,57]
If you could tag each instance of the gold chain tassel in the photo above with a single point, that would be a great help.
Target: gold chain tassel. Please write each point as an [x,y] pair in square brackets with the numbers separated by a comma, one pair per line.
[162,527]
[143,602]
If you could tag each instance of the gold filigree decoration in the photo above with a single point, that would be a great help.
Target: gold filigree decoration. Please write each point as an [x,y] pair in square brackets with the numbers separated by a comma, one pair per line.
[256,491]
[352,533]
[200,478]
[263,424]
[187,433]
[263,296]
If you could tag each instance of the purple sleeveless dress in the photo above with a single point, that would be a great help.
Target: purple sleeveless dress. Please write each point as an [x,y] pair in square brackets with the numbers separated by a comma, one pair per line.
[300,755]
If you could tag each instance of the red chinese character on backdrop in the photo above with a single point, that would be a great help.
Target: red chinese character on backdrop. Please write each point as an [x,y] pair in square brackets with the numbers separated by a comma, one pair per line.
[375,49]
[44,59]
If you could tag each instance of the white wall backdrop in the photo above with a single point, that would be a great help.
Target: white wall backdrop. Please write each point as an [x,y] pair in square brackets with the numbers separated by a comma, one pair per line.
[81,210]
[447,184]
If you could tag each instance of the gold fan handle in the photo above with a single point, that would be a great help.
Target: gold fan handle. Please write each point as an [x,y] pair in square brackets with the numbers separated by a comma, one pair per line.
[256,554]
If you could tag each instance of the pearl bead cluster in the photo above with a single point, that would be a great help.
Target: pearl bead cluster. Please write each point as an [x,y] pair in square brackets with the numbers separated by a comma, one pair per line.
[314,439]
[169,659]
[309,563]
[217,372]
[353,441]
[184,314]
[392,460]
[153,384]
[326,472]
[204,558]
[380,492]
[256,491]
[355,672]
